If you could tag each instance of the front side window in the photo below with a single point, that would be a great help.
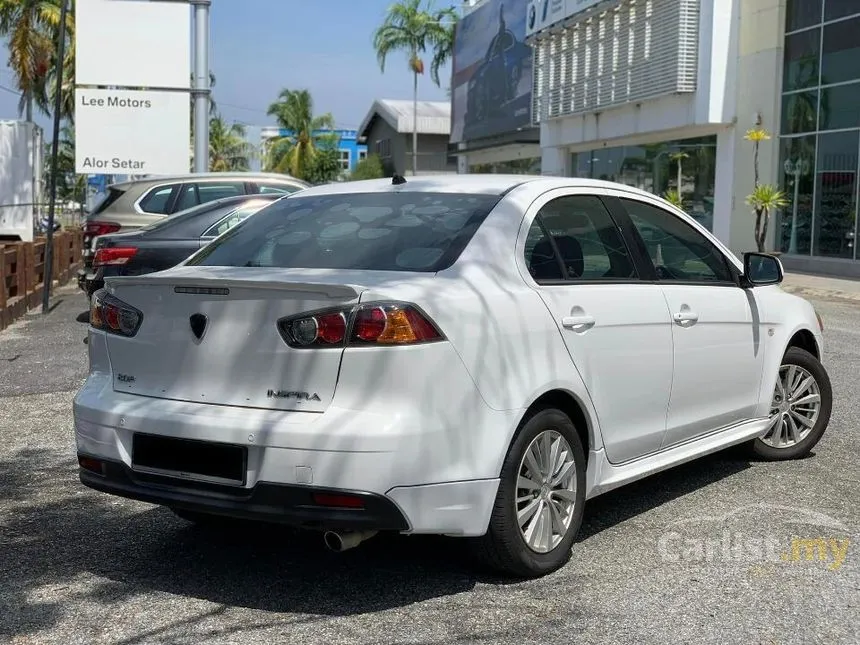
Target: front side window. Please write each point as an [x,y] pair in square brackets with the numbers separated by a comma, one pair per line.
[409,231]
[677,250]
[578,236]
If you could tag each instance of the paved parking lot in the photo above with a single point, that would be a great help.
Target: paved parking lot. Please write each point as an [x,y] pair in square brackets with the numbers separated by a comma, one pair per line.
[722,550]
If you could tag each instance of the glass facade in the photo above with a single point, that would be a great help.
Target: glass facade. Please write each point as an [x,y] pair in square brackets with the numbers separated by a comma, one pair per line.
[820,129]
[686,166]
[528,166]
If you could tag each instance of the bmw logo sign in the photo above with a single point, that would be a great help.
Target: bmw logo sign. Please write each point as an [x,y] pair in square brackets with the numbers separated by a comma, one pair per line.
[532,16]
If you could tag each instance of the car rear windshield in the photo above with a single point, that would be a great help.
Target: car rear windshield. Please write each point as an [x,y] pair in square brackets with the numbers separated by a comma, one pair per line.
[408,231]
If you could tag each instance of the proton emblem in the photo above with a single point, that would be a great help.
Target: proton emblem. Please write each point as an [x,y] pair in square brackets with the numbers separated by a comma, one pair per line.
[198,325]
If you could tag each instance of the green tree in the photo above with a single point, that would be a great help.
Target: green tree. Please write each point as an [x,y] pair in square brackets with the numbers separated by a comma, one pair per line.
[31,28]
[368,168]
[295,152]
[412,28]
[229,149]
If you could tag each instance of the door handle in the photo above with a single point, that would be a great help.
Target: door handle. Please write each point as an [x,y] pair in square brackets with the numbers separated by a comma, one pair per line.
[686,316]
[578,323]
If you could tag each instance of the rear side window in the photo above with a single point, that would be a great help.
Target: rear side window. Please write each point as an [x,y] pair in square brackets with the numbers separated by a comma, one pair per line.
[157,200]
[575,238]
[410,231]
[279,189]
[239,215]
[209,192]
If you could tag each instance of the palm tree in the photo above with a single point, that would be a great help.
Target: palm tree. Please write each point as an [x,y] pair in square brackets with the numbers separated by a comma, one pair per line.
[32,28]
[411,28]
[228,148]
[294,152]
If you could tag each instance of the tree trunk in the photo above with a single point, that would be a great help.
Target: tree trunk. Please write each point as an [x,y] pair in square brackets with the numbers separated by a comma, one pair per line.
[679,177]
[755,163]
[765,219]
[758,227]
[29,109]
[415,123]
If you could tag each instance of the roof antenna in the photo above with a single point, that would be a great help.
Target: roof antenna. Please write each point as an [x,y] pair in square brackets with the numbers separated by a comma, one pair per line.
[396,179]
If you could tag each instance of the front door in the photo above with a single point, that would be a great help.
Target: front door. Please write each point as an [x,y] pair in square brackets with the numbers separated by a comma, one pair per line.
[616,327]
[715,328]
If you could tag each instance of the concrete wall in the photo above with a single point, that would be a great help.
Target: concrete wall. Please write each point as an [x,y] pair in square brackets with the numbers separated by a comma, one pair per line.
[759,84]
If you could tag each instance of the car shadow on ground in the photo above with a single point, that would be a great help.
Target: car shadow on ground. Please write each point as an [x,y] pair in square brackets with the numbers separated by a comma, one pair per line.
[136,549]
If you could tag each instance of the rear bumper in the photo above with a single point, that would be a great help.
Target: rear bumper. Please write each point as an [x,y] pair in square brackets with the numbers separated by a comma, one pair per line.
[436,485]
[271,502]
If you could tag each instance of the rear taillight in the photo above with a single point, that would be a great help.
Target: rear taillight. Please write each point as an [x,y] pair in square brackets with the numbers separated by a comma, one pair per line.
[114,256]
[373,324]
[96,228]
[112,315]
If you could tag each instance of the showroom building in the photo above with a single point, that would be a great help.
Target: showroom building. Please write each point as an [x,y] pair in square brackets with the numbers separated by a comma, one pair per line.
[660,94]
[491,90]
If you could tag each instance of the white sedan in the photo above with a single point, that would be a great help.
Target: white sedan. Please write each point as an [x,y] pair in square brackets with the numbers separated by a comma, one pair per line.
[472,356]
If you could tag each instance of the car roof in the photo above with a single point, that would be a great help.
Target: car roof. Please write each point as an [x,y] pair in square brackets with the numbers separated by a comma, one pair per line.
[247,176]
[487,184]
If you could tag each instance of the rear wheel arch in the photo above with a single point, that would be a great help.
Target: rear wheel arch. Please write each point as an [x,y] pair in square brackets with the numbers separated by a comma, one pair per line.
[566,402]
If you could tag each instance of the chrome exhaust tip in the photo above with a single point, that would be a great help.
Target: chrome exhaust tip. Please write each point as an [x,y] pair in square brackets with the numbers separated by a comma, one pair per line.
[340,542]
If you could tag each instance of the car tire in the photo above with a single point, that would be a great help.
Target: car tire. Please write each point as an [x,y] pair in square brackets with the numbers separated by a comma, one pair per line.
[805,365]
[504,548]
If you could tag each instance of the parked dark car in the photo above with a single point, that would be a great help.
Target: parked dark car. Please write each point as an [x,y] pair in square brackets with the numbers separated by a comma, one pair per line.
[168,242]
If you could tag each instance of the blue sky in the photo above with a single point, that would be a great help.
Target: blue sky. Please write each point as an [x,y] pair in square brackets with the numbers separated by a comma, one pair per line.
[259,47]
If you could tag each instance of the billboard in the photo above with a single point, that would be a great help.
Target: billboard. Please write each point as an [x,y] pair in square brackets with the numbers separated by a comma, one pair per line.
[133,43]
[491,86]
[132,132]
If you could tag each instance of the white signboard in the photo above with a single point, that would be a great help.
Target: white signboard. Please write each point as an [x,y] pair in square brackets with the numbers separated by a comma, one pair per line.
[133,43]
[132,132]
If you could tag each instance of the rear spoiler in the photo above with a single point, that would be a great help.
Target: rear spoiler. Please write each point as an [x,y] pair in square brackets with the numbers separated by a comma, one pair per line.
[215,285]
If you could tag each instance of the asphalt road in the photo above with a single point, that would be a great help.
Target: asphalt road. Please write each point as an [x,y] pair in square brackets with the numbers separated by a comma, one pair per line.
[701,554]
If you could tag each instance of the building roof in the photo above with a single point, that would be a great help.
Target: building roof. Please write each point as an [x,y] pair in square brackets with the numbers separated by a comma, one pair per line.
[434,117]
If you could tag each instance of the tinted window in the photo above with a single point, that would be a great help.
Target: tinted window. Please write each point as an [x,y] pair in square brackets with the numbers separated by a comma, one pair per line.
[367,231]
[584,236]
[187,197]
[281,189]
[210,191]
[157,200]
[678,251]
[239,215]
[542,262]
[840,51]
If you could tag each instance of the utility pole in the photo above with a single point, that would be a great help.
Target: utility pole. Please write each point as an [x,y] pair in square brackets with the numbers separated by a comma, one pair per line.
[201,90]
[47,280]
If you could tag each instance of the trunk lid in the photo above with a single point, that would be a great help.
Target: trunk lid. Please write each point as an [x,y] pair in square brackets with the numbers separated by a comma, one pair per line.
[240,359]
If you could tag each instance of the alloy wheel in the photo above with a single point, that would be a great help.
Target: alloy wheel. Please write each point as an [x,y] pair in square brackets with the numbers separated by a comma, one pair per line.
[795,407]
[546,491]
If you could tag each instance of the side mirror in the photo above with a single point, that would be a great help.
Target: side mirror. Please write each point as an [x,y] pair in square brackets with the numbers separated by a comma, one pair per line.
[761,269]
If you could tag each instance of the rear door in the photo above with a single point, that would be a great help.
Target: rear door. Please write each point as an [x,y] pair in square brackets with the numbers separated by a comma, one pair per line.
[616,327]
[717,349]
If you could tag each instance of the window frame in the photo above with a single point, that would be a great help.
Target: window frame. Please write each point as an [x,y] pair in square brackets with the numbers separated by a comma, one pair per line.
[635,244]
[644,258]
[533,215]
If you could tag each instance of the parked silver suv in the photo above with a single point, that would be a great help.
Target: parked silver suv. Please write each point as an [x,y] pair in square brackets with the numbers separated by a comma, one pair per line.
[134,204]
